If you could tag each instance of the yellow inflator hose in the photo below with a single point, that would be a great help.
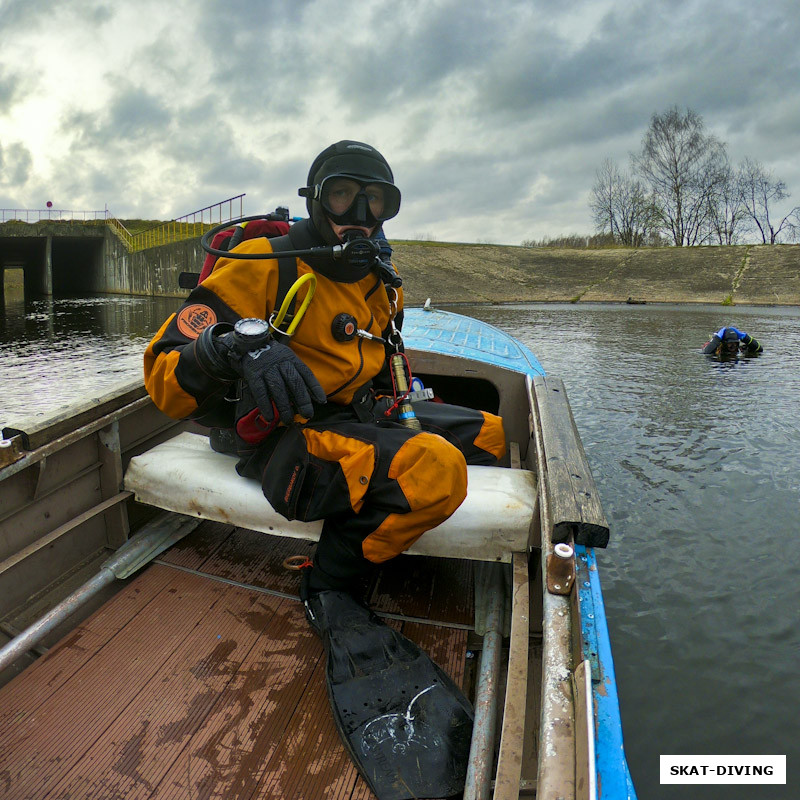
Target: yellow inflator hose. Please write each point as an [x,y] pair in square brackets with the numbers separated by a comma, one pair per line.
[277,320]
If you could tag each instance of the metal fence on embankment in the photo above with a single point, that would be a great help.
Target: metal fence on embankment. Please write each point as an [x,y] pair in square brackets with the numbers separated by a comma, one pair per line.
[188,226]
[31,215]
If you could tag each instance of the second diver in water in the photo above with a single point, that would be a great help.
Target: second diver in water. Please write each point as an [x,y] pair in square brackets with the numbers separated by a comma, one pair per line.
[729,341]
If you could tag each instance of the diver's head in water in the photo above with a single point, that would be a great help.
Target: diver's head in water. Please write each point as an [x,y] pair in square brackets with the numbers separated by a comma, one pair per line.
[729,346]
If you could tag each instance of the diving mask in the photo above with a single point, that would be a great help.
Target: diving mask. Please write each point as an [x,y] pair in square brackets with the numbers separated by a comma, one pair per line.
[350,201]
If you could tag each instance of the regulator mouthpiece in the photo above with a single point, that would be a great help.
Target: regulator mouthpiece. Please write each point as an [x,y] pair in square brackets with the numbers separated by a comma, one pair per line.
[357,251]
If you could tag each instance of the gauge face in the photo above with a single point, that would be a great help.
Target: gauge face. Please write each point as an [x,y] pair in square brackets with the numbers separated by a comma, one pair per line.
[251,327]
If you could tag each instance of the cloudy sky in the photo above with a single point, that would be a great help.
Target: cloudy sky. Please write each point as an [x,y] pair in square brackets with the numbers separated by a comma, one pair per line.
[494,115]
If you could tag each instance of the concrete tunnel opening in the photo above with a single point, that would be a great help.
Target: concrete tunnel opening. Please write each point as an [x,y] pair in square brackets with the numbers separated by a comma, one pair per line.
[56,266]
[77,265]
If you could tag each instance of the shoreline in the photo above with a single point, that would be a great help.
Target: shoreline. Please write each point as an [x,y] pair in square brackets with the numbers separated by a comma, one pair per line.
[450,273]
[738,275]
[502,303]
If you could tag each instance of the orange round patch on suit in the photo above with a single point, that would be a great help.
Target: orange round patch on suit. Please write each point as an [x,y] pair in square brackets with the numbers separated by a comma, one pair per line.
[192,320]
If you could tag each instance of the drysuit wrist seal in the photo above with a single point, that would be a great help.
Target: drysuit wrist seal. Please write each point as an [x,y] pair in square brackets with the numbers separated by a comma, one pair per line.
[212,350]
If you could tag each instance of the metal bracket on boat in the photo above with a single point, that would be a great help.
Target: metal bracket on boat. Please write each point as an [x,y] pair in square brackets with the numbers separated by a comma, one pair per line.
[588,621]
[10,451]
[561,569]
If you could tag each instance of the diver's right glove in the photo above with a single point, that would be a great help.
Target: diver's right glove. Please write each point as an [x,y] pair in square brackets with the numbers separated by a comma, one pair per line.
[277,378]
[276,375]
[750,344]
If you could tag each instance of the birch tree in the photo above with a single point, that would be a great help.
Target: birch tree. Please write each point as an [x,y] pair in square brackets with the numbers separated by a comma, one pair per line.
[621,205]
[727,214]
[683,167]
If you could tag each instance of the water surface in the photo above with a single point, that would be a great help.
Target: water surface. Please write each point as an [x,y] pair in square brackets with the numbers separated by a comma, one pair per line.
[698,465]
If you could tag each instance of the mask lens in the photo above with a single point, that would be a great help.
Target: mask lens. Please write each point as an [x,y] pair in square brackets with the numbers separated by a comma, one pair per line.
[384,200]
[338,194]
[338,197]
[375,194]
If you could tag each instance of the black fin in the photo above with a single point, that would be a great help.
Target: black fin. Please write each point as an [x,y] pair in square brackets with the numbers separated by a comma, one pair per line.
[405,723]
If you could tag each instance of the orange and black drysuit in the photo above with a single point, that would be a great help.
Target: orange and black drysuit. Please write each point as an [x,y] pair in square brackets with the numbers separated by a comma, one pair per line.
[377,484]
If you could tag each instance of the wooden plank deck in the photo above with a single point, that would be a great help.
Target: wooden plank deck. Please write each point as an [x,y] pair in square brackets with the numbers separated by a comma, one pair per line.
[188,685]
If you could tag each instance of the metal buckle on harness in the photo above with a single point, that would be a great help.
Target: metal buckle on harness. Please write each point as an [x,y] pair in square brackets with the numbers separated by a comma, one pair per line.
[395,339]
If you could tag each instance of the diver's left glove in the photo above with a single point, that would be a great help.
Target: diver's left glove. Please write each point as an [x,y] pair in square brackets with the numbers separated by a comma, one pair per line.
[278,379]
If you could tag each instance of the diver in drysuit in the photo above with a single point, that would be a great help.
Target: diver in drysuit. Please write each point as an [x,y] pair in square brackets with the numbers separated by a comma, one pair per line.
[318,424]
[728,341]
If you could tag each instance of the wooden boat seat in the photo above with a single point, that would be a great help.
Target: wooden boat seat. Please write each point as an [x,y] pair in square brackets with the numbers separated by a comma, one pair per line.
[186,476]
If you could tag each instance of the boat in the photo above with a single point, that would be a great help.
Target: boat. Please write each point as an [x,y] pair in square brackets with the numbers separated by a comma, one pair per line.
[154,645]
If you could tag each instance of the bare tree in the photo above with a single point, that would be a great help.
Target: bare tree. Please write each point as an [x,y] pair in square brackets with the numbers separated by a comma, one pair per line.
[620,205]
[727,214]
[760,192]
[683,166]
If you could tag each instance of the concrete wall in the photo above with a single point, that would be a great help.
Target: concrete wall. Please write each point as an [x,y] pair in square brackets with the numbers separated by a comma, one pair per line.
[71,257]
[61,257]
[153,271]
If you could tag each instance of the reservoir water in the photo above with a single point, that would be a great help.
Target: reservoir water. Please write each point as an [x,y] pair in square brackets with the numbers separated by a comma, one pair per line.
[698,465]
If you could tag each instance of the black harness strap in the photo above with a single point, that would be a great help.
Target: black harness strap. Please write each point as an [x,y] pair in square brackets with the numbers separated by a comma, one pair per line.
[298,238]
[287,275]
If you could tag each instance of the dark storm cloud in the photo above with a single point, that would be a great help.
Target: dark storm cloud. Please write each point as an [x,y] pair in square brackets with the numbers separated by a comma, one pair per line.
[498,111]
[15,164]
[18,14]
[257,55]
[275,57]
[10,89]
[136,115]
[654,54]
[133,118]
[412,54]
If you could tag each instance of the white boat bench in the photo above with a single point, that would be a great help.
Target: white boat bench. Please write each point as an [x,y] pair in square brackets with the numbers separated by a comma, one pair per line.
[186,476]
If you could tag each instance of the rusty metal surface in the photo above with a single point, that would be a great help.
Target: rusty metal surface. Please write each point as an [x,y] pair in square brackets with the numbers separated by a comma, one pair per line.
[271,574]
[182,686]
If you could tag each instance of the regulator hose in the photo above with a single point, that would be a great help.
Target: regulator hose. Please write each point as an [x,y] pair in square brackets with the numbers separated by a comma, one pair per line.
[356,249]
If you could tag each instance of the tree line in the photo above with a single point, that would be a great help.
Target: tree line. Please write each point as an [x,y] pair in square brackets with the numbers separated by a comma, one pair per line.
[681,189]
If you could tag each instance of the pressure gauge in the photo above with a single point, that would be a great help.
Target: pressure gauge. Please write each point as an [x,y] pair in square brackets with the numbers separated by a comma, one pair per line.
[251,333]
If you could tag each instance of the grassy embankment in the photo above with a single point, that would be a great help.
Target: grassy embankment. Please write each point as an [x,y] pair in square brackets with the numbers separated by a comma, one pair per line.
[474,273]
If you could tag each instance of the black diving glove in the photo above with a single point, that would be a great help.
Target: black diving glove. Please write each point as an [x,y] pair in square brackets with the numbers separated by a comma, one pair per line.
[275,375]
